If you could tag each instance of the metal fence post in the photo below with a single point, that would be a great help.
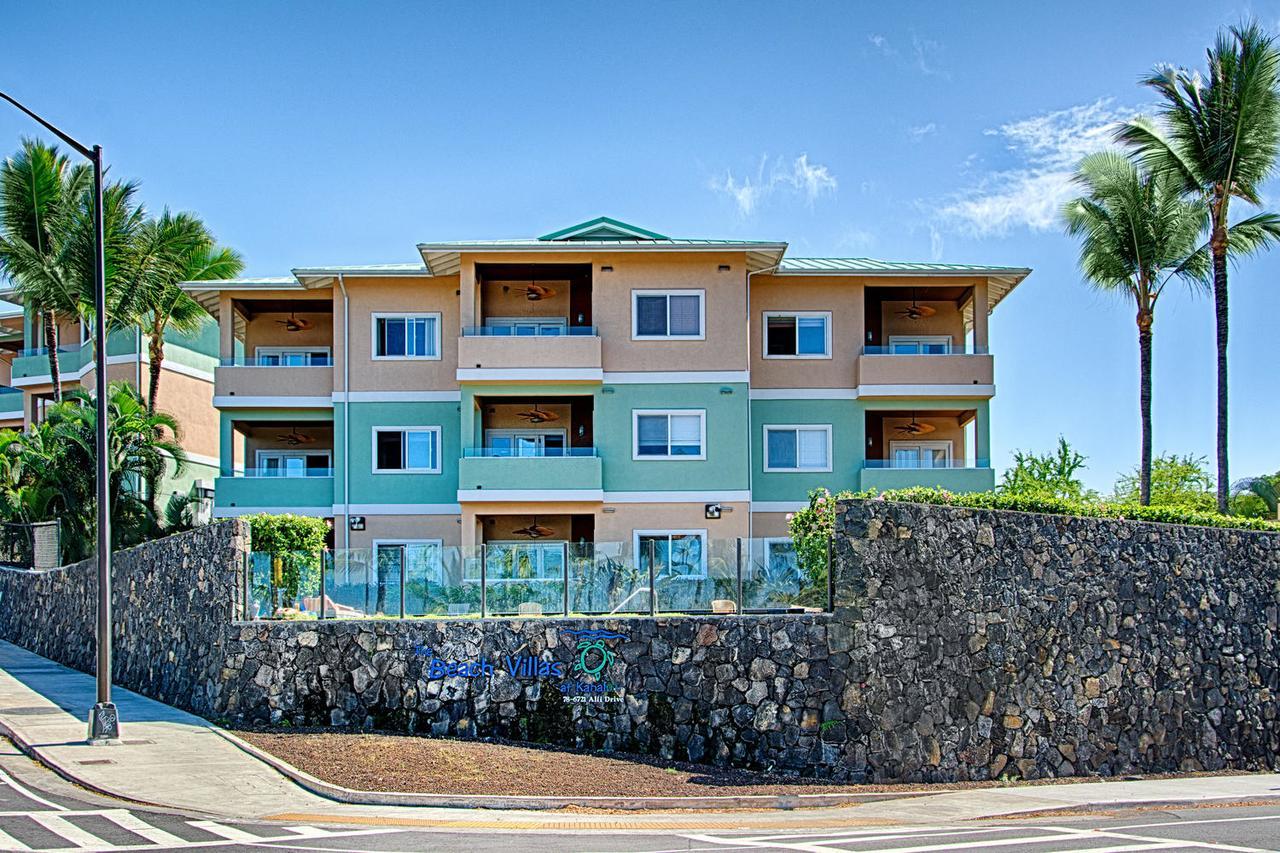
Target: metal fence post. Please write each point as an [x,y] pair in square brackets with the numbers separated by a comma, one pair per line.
[831,579]
[565,547]
[404,576]
[323,591]
[653,591]
[740,604]
[484,579]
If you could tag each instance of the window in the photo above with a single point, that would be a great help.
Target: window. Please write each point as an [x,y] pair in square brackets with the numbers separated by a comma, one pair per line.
[525,327]
[779,563]
[415,450]
[525,442]
[797,334]
[294,463]
[672,553]
[920,344]
[292,357]
[515,561]
[667,314]
[420,559]
[921,454]
[403,336]
[677,434]
[801,447]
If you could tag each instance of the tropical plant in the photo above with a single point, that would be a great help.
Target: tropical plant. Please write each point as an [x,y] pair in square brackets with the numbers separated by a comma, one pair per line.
[1137,233]
[176,247]
[293,545]
[1218,135]
[1046,475]
[1175,481]
[1257,497]
[40,193]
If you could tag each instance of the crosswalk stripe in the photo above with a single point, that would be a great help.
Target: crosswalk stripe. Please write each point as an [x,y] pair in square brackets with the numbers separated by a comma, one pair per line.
[6,779]
[131,822]
[67,830]
[308,831]
[8,842]
[228,832]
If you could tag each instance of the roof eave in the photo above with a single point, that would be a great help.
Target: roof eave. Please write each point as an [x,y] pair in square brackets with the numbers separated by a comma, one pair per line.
[445,258]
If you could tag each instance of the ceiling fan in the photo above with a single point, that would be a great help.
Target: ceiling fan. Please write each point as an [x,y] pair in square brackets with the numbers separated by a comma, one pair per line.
[295,324]
[915,427]
[293,438]
[916,311]
[536,415]
[534,292]
[534,530]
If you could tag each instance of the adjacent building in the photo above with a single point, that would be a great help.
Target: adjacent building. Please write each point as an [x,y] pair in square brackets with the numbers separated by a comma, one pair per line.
[602,383]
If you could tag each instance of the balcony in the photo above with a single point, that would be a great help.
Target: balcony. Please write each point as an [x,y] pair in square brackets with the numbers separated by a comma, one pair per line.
[254,378]
[565,474]
[505,353]
[11,403]
[35,361]
[956,476]
[924,370]
[258,489]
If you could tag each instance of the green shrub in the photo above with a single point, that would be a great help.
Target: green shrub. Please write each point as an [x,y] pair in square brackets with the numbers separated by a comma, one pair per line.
[297,540]
[813,526]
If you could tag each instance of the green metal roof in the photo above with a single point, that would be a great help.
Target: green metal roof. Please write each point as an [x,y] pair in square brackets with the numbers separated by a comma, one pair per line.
[603,228]
[872,266]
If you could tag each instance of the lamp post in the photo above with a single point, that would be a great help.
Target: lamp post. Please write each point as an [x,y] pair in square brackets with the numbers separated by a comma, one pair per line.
[104,721]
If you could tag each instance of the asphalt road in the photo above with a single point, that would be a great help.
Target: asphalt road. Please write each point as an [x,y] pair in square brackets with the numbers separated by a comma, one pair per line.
[39,811]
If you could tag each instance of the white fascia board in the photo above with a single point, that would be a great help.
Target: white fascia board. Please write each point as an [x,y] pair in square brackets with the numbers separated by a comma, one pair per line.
[284,402]
[398,509]
[529,374]
[778,506]
[237,511]
[804,393]
[398,396]
[676,497]
[530,495]
[677,377]
[927,390]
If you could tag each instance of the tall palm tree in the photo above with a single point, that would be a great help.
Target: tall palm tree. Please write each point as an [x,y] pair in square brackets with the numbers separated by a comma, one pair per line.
[1218,135]
[1266,488]
[183,250]
[41,195]
[1138,232]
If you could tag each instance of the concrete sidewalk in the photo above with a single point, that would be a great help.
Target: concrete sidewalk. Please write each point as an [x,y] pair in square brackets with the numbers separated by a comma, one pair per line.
[173,759]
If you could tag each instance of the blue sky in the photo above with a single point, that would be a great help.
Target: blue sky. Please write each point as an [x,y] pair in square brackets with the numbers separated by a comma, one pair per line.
[317,133]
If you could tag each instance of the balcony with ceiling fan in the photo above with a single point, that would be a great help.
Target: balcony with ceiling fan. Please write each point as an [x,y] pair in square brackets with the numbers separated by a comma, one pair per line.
[279,465]
[276,349]
[533,323]
[925,341]
[941,448]
[531,449]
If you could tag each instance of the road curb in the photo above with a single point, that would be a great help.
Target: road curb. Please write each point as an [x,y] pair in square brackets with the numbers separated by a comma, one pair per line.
[349,796]
[1093,808]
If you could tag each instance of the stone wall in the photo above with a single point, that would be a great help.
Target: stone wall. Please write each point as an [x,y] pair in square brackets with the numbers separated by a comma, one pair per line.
[965,645]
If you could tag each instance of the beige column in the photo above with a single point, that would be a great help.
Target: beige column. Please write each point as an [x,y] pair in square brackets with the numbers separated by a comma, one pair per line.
[226,326]
[467,295]
[980,310]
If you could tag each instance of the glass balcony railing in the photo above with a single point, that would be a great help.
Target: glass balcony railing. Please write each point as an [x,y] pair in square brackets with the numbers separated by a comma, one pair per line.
[62,348]
[529,330]
[527,452]
[536,578]
[290,360]
[926,464]
[284,473]
[925,348]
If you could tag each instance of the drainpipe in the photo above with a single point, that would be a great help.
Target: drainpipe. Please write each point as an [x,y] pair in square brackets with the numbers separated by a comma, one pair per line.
[346,415]
[751,462]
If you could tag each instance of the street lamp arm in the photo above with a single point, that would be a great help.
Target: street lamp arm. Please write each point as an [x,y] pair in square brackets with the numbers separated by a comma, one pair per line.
[82,149]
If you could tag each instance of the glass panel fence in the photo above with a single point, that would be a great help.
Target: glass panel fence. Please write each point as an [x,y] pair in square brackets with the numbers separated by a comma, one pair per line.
[656,572]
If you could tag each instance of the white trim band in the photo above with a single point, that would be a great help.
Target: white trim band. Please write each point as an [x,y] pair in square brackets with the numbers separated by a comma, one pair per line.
[676,497]
[530,374]
[804,393]
[400,509]
[779,506]
[927,390]
[231,401]
[678,377]
[398,397]
[237,511]
[530,495]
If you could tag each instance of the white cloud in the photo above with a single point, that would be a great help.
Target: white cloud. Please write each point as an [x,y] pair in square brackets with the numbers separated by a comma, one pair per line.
[856,240]
[920,131]
[935,244]
[926,52]
[797,178]
[1030,194]
[881,44]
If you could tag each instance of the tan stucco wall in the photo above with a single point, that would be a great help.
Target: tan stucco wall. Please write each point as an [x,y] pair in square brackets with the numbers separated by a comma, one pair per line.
[618,526]
[446,528]
[495,301]
[948,429]
[265,331]
[925,370]
[376,295]
[274,381]
[948,321]
[769,524]
[505,416]
[190,400]
[841,296]
[259,437]
[525,352]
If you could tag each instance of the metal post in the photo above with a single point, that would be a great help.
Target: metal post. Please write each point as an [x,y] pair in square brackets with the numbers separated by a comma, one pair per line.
[831,580]
[653,592]
[565,547]
[740,605]
[323,588]
[484,579]
[404,576]
[104,720]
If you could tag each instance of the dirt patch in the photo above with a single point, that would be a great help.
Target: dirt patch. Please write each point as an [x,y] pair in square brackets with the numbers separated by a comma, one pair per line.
[387,762]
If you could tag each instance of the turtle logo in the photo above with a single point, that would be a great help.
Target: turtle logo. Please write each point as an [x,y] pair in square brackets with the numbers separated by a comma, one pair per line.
[593,656]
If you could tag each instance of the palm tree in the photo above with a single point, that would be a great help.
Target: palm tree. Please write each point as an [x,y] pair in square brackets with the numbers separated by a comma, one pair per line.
[1138,233]
[40,198]
[1218,135]
[183,250]
[1266,488]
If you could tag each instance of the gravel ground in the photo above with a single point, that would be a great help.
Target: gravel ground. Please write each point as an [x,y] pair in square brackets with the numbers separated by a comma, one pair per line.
[388,762]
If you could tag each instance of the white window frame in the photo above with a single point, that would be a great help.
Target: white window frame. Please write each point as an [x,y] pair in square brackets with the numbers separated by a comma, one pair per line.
[403,315]
[946,444]
[373,434]
[798,315]
[514,431]
[561,322]
[768,428]
[636,414]
[767,542]
[404,543]
[258,352]
[265,452]
[702,533]
[921,339]
[702,315]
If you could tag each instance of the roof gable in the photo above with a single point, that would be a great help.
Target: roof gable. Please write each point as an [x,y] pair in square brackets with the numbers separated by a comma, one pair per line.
[602,228]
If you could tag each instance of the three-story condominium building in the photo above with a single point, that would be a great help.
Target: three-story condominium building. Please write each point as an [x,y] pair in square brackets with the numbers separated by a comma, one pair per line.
[603,383]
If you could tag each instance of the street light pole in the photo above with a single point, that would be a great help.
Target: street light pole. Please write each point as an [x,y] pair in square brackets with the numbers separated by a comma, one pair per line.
[104,720]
